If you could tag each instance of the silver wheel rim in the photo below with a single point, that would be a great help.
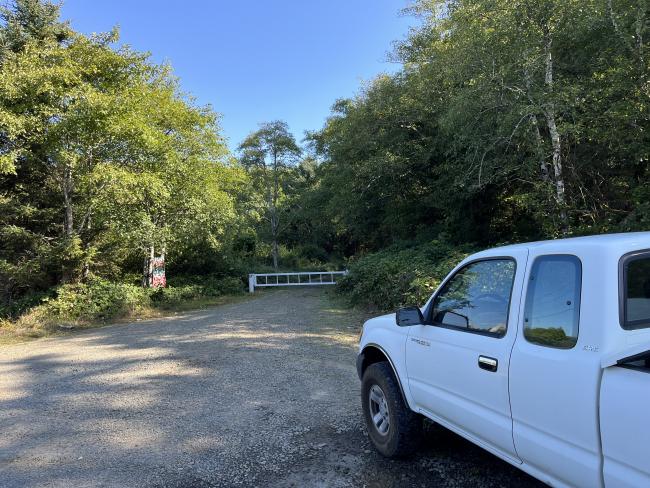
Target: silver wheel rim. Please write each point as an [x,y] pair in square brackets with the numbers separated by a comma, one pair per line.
[378,407]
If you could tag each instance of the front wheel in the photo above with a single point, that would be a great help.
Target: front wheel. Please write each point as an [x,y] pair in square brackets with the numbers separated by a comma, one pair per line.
[394,429]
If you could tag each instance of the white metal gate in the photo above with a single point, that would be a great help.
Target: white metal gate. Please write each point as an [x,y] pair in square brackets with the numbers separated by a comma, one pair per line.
[307,278]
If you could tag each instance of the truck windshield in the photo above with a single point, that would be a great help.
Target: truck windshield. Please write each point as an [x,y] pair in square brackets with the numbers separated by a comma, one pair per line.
[636,295]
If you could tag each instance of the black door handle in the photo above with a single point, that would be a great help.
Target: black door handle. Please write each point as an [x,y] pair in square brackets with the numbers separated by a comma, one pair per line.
[488,364]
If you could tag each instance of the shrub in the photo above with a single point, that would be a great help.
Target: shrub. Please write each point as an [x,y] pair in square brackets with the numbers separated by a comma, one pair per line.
[228,285]
[172,295]
[301,258]
[99,299]
[206,286]
[399,276]
[21,305]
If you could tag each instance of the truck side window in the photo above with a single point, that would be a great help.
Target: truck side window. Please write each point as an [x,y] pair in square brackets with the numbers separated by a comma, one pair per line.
[477,298]
[636,293]
[552,310]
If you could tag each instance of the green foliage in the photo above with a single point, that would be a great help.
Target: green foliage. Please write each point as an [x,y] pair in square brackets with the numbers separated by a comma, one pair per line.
[509,121]
[204,286]
[28,21]
[24,304]
[102,158]
[269,155]
[307,257]
[103,300]
[98,299]
[400,276]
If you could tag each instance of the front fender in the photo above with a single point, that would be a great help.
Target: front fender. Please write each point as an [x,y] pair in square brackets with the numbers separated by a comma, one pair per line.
[390,340]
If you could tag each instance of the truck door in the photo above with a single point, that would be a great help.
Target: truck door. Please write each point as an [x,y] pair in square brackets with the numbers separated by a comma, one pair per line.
[457,362]
[555,371]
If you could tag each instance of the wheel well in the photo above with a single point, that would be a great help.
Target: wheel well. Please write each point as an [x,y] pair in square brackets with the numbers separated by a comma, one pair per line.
[372,355]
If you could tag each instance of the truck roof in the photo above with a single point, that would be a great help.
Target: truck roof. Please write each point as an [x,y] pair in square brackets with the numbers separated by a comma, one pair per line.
[623,242]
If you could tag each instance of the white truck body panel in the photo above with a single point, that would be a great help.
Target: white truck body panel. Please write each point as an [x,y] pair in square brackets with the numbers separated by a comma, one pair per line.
[625,429]
[568,416]
[381,333]
[554,392]
[460,393]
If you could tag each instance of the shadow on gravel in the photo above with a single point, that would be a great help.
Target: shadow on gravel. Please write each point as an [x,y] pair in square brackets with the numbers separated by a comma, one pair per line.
[258,393]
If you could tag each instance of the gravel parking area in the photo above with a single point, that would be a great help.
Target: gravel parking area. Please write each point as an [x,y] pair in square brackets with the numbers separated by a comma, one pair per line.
[258,393]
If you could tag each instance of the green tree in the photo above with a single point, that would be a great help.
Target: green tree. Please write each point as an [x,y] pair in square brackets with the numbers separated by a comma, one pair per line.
[531,91]
[509,121]
[269,155]
[26,21]
[105,159]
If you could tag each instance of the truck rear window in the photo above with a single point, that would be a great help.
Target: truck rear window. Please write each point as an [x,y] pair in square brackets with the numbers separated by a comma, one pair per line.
[552,309]
[636,291]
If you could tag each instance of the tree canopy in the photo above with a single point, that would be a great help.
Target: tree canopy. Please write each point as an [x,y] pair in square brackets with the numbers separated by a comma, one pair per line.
[103,157]
[508,121]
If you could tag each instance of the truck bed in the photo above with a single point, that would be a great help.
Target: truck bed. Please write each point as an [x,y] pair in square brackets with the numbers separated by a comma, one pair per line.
[625,422]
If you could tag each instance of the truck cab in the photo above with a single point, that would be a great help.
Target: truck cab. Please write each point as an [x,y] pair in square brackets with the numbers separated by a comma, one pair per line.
[537,352]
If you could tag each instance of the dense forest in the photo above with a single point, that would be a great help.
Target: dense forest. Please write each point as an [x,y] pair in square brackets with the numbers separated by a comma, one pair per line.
[507,122]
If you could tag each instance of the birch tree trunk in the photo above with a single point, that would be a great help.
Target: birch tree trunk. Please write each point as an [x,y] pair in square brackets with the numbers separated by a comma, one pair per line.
[556,141]
[543,167]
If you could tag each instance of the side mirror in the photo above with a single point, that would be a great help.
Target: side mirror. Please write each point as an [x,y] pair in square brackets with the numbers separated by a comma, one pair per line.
[409,316]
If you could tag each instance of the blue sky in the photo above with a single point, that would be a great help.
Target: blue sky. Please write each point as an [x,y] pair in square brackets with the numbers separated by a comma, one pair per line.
[257,61]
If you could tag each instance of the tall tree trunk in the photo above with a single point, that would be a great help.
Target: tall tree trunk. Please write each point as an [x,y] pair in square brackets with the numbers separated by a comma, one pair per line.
[86,266]
[275,225]
[543,167]
[275,220]
[67,273]
[640,26]
[147,268]
[539,142]
[152,255]
[556,141]
[66,186]
[276,253]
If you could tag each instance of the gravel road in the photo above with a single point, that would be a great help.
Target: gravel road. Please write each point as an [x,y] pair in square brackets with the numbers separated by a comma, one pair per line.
[258,393]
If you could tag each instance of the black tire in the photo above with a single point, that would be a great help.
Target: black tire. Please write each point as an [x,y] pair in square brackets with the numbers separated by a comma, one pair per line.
[404,427]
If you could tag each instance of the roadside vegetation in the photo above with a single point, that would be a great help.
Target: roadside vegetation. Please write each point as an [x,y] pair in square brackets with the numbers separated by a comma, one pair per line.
[98,301]
[509,121]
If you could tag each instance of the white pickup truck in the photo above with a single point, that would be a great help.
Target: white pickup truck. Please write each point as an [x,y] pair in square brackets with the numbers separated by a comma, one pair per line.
[539,353]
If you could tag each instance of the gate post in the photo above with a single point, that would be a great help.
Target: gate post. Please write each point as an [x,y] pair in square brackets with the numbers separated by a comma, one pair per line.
[251,283]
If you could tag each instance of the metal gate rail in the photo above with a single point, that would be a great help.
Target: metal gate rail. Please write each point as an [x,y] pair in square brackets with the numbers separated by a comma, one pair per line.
[303,278]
